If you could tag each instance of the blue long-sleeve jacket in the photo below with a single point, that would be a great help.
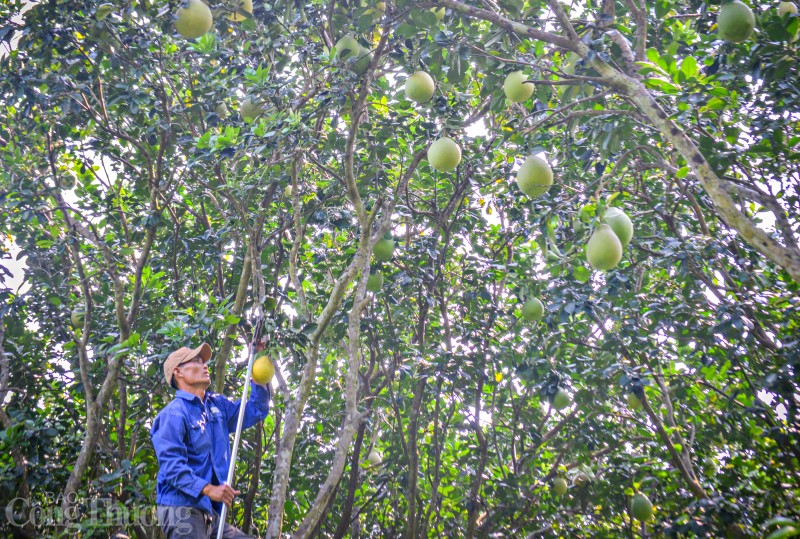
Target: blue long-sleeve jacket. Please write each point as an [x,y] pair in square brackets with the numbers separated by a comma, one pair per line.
[192,442]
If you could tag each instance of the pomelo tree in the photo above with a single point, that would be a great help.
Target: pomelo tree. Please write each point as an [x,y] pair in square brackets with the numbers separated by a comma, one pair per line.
[131,199]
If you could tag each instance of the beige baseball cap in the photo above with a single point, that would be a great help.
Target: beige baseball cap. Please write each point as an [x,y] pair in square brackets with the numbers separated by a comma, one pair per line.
[183,354]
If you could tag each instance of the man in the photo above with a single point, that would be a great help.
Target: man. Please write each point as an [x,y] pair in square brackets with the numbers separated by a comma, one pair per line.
[191,436]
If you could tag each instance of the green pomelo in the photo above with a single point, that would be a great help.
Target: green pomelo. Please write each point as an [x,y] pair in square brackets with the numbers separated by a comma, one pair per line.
[641,508]
[604,250]
[77,317]
[375,282]
[239,9]
[561,399]
[250,109]
[532,310]
[347,47]
[364,59]
[621,224]
[787,8]
[534,176]
[420,87]
[444,154]
[633,402]
[383,249]
[516,88]
[270,303]
[194,20]
[439,13]
[222,111]
[735,22]
[374,458]
[560,486]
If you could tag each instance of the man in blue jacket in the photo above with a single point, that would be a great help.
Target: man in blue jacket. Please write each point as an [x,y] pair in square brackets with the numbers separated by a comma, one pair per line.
[191,436]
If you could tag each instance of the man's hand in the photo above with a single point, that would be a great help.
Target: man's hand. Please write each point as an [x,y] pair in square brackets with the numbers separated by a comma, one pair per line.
[220,493]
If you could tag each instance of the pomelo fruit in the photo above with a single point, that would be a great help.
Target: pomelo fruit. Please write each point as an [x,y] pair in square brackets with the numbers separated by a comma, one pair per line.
[346,47]
[364,59]
[560,486]
[620,223]
[263,369]
[641,508]
[377,12]
[534,176]
[77,317]
[420,87]
[633,402]
[383,249]
[444,154]
[532,310]
[374,458]
[194,20]
[375,281]
[787,8]
[604,250]
[516,88]
[561,399]
[250,109]
[238,8]
[735,22]
[222,111]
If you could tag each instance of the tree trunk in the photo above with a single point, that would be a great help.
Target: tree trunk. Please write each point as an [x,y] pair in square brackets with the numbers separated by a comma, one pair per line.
[352,418]
[347,511]
[255,475]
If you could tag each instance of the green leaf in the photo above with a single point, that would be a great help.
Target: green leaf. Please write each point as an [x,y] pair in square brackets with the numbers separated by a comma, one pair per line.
[662,85]
[784,532]
[689,67]
[581,274]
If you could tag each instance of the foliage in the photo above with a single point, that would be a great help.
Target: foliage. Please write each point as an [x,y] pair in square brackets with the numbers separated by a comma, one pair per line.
[132,194]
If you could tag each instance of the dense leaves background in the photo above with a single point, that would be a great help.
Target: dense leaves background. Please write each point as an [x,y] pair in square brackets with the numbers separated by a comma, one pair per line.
[135,196]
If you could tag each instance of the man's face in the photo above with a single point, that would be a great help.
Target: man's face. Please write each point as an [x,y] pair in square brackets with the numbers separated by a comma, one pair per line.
[193,372]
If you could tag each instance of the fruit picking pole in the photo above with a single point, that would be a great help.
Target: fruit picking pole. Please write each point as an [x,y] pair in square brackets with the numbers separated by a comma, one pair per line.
[240,419]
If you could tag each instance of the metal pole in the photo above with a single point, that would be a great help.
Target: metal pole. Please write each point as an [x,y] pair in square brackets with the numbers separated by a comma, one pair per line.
[240,419]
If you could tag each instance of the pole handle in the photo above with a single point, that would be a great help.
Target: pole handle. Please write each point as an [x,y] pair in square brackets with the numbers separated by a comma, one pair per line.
[240,419]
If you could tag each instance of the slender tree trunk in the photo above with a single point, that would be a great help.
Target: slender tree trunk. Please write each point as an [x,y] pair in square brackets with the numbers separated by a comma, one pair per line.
[474,504]
[27,530]
[95,410]
[413,459]
[352,418]
[94,413]
[255,476]
[347,511]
